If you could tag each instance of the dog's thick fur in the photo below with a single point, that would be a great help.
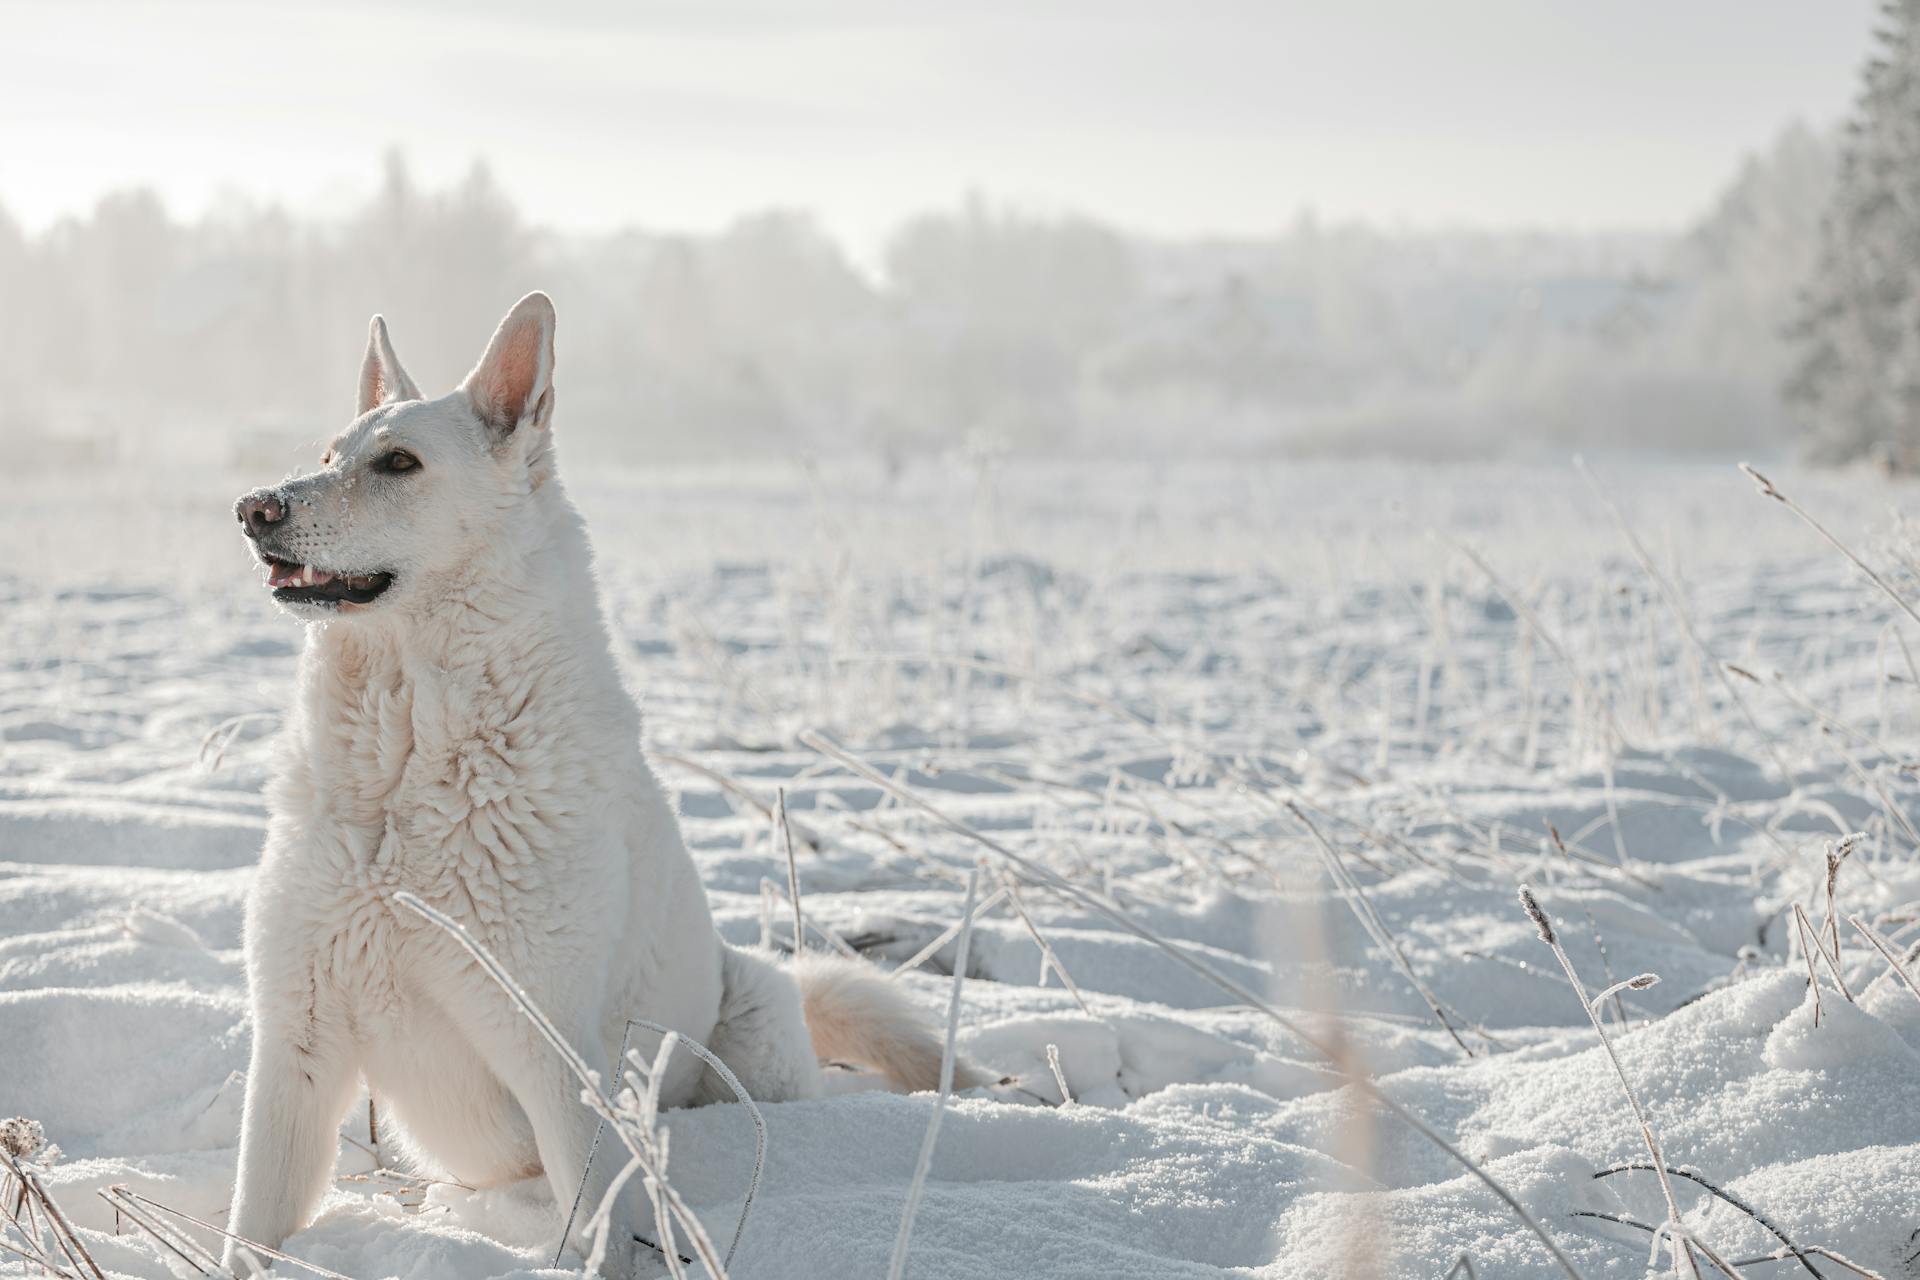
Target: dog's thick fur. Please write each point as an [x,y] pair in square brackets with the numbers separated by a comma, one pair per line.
[466,736]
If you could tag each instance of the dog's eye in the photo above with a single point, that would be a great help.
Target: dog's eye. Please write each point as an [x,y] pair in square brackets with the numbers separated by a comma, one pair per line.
[326,459]
[398,460]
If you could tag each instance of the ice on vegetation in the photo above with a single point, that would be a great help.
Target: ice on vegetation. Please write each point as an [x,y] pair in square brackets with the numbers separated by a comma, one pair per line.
[1125,676]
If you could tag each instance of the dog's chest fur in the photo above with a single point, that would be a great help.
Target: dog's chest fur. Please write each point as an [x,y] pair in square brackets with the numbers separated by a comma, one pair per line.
[469,774]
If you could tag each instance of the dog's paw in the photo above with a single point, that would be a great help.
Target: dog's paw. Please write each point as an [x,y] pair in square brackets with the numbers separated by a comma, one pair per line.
[628,1257]
[240,1261]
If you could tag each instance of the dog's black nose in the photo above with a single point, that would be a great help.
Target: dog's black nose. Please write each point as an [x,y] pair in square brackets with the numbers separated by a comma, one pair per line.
[259,511]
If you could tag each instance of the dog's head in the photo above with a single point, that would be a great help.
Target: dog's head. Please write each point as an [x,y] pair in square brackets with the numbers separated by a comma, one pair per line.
[410,498]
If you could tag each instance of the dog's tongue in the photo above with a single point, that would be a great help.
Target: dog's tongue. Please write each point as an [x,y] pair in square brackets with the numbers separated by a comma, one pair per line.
[296,575]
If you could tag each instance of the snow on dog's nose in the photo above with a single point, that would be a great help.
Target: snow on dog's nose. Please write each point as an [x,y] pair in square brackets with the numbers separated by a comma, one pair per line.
[259,511]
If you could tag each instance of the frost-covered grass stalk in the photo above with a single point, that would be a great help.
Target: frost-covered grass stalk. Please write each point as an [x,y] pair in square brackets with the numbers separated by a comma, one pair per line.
[22,1193]
[1677,605]
[1769,489]
[1886,953]
[1676,1231]
[1808,945]
[174,1241]
[1812,937]
[1599,706]
[793,869]
[1375,927]
[1048,959]
[121,1196]
[1837,851]
[1102,906]
[952,931]
[897,1266]
[1059,1076]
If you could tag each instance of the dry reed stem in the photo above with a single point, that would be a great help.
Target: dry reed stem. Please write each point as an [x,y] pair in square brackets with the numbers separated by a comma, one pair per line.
[897,1266]
[1059,884]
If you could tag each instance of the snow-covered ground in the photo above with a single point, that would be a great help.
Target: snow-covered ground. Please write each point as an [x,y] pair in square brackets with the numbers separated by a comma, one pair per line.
[1150,680]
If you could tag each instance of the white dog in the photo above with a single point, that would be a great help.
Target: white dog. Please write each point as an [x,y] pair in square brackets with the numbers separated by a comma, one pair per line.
[459,730]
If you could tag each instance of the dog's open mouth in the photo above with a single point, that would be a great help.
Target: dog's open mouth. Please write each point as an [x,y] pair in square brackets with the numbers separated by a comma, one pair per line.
[302,583]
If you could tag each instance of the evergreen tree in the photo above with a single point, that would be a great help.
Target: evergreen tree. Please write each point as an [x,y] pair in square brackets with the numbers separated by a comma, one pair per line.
[1857,383]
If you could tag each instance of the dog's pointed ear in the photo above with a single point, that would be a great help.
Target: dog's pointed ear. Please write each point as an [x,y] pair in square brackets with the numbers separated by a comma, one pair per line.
[512,386]
[382,380]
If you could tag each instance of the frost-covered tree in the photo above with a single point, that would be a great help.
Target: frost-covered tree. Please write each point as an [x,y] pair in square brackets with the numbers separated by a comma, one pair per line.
[1857,383]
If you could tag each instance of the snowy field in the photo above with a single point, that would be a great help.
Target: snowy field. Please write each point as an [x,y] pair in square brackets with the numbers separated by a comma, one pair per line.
[1160,683]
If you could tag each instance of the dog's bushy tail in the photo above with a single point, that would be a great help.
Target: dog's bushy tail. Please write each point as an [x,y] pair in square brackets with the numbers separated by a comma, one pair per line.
[856,1014]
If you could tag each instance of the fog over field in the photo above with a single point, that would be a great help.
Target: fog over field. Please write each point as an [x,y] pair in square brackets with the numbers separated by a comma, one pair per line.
[1052,334]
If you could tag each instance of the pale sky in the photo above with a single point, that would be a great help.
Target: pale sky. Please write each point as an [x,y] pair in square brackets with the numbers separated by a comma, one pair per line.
[1180,117]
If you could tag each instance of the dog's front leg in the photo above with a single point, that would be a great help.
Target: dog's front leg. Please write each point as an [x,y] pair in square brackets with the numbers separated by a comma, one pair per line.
[300,1082]
[563,1126]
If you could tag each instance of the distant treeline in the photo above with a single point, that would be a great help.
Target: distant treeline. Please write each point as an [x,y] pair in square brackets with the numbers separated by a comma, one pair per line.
[127,331]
